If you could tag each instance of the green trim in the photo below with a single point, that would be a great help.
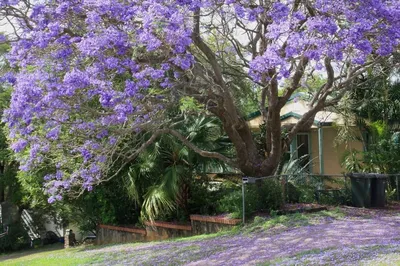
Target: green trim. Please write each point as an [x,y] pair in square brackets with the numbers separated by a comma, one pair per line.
[254,114]
[283,117]
[290,114]
[300,95]
[296,115]
[321,149]
[293,148]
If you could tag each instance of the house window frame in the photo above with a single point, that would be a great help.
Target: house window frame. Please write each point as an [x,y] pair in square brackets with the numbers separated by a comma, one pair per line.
[294,148]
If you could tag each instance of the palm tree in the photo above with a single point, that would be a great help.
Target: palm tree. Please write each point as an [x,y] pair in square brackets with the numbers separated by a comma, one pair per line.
[160,179]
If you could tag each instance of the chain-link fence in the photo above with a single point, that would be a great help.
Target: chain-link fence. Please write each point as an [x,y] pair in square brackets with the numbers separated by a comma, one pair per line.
[267,193]
[392,188]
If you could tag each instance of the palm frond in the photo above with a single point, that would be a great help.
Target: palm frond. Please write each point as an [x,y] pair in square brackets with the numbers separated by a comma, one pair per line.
[171,179]
[130,182]
[157,201]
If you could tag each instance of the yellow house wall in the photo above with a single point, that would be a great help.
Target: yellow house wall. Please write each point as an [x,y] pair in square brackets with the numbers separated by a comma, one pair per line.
[255,123]
[314,151]
[332,154]
[299,107]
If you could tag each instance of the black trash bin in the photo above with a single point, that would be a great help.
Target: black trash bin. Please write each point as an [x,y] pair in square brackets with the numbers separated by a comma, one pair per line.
[360,190]
[368,190]
[378,194]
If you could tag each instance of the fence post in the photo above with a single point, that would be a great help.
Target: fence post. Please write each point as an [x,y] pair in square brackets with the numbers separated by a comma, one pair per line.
[243,202]
[397,187]
[286,189]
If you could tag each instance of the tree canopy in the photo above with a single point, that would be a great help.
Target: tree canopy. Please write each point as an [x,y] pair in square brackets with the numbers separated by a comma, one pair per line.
[95,78]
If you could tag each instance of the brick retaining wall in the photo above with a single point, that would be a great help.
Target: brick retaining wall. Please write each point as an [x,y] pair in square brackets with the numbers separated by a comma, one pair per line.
[211,224]
[107,234]
[159,230]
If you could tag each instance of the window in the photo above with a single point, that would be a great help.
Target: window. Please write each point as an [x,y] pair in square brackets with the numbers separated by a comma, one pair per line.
[301,148]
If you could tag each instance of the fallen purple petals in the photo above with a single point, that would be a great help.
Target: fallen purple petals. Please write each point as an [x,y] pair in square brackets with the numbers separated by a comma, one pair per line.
[345,241]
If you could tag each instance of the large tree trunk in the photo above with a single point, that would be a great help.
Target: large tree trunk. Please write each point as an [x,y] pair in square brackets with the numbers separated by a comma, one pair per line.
[248,158]
[10,213]
[2,183]
[217,91]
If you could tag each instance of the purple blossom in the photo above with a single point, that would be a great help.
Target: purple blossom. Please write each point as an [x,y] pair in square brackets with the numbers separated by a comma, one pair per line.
[53,133]
[92,67]
[51,200]
[19,145]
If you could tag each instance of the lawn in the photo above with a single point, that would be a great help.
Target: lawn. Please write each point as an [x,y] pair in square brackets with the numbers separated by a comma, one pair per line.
[335,237]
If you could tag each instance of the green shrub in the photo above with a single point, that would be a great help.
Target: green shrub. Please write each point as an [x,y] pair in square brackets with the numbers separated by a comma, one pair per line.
[16,239]
[391,189]
[330,198]
[307,194]
[203,197]
[231,203]
[272,195]
[264,196]
[293,193]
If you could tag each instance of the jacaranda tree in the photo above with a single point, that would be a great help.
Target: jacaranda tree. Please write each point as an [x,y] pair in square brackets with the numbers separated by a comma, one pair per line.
[94,75]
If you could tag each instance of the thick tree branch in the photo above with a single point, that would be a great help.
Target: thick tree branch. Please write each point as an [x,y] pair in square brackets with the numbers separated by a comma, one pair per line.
[207,50]
[298,75]
[181,138]
[196,149]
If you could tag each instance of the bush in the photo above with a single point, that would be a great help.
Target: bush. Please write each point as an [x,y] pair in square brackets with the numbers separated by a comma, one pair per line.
[265,196]
[293,193]
[335,197]
[307,194]
[299,193]
[16,239]
[203,197]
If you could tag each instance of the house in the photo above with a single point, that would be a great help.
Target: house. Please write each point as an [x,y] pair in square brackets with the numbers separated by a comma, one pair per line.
[319,141]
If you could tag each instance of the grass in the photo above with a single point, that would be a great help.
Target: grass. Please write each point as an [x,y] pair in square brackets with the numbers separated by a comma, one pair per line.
[385,260]
[293,220]
[49,256]
[183,250]
[44,258]
[382,255]
[78,256]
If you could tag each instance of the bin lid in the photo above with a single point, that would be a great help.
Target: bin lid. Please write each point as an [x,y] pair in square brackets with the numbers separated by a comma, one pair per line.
[367,175]
[382,176]
[357,175]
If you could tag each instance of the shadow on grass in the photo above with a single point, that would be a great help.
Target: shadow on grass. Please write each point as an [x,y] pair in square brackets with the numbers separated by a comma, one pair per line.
[29,252]
[228,232]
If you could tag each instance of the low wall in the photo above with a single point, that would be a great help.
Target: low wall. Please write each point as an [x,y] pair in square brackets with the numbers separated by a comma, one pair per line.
[157,230]
[165,230]
[107,234]
[211,224]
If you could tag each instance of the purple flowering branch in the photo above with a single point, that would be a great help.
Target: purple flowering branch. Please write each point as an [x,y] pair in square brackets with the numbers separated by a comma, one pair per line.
[95,76]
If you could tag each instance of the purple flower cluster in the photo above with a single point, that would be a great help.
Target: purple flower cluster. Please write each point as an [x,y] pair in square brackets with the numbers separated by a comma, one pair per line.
[88,69]
[345,31]
[85,76]
[9,2]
